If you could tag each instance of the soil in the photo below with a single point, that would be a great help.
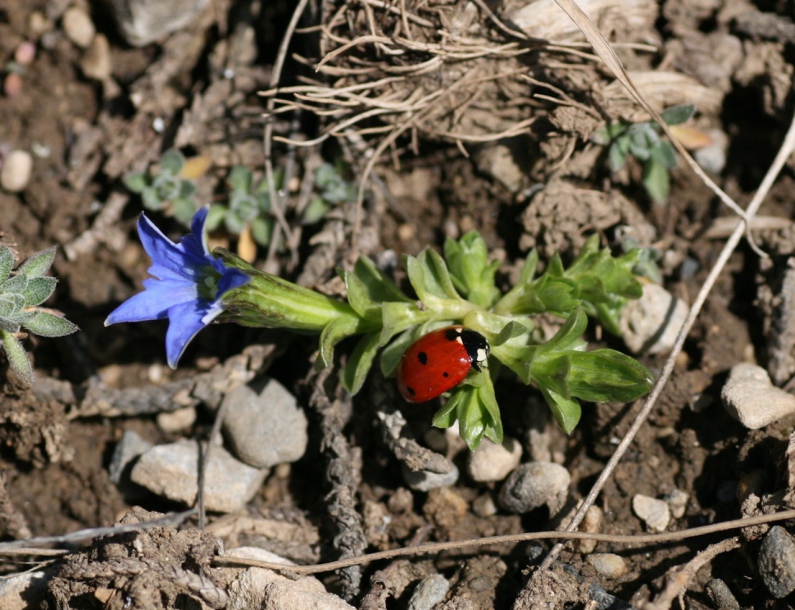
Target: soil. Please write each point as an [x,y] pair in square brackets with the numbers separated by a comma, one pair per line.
[545,187]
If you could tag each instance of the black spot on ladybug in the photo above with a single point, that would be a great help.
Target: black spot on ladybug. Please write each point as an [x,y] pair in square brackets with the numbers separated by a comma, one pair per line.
[452,334]
[445,374]
[422,357]
[411,391]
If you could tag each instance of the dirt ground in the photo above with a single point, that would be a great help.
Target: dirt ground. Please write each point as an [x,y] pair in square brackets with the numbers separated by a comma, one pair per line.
[544,186]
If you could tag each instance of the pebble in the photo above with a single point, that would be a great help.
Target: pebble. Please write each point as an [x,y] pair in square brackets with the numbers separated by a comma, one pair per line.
[267,590]
[720,593]
[13,84]
[78,27]
[536,484]
[96,62]
[653,512]
[24,590]
[651,323]
[591,523]
[171,471]
[713,156]
[25,53]
[492,462]
[176,421]
[264,425]
[608,564]
[750,397]
[429,592]
[776,562]
[127,449]
[484,506]
[425,480]
[143,21]
[677,502]
[16,171]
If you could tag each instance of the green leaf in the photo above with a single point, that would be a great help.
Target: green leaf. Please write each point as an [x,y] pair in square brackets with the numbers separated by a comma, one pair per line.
[14,285]
[136,181]
[334,332]
[358,297]
[605,375]
[566,411]
[6,262]
[397,317]
[172,162]
[215,217]
[11,303]
[186,188]
[675,115]
[476,411]
[184,209]
[431,280]
[9,325]
[616,157]
[664,154]
[315,211]
[39,290]
[46,324]
[17,357]
[470,270]
[240,179]
[38,264]
[657,182]
[360,363]
[262,230]
[379,287]
[392,353]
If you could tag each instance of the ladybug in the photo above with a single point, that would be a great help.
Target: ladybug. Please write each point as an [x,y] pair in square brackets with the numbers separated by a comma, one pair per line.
[439,361]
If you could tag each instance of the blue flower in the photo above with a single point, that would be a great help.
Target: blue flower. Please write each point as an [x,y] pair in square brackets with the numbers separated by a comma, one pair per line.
[186,286]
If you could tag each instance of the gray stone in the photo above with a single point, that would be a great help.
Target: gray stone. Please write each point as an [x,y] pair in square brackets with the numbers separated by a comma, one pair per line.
[651,323]
[425,480]
[127,449]
[536,484]
[776,562]
[24,590]
[171,471]
[264,425]
[429,592]
[492,462]
[750,397]
[145,21]
[653,512]
[720,593]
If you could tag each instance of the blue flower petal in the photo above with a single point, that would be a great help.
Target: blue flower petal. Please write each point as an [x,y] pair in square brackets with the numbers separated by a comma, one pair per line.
[165,252]
[185,321]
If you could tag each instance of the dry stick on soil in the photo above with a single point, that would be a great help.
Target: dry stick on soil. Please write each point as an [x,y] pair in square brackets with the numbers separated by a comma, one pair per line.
[742,229]
[439,547]
[678,578]
[267,141]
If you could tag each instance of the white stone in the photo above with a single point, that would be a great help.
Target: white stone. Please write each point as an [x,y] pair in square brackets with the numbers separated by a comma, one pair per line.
[677,502]
[145,21]
[536,484]
[651,323]
[653,512]
[492,462]
[16,171]
[425,480]
[608,564]
[750,397]
[261,589]
[23,590]
[78,27]
[172,470]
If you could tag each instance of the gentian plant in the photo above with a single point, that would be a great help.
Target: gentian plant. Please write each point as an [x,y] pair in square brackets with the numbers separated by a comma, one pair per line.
[21,294]
[459,288]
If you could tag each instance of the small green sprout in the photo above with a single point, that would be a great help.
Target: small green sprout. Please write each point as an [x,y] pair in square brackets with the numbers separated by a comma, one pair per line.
[167,188]
[21,294]
[332,189]
[645,142]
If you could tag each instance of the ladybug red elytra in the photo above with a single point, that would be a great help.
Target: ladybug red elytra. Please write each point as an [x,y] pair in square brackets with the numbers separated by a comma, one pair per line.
[439,361]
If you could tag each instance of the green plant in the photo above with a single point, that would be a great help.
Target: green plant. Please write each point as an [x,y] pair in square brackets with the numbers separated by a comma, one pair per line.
[21,294]
[166,187]
[332,189]
[457,289]
[644,142]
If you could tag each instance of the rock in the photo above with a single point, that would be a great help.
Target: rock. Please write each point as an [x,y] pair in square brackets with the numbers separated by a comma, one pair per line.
[16,171]
[492,462]
[484,506]
[78,27]
[677,502]
[608,564]
[592,524]
[13,84]
[264,425]
[751,398]
[145,21]
[536,484]
[776,562]
[425,480]
[261,589]
[171,471]
[127,449]
[97,63]
[176,421]
[24,590]
[25,53]
[651,323]
[713,156]
[429,592]
[653,512]
[720,593]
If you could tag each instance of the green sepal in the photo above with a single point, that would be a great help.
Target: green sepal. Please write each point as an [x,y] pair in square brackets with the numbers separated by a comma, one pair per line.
[36,265]
[46,324]
[17,357]
[470,270]
[360,363]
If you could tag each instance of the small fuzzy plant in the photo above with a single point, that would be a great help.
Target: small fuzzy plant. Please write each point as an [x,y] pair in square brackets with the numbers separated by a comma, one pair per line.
[645,142]
[167,187]
[191,287]
[22,291]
